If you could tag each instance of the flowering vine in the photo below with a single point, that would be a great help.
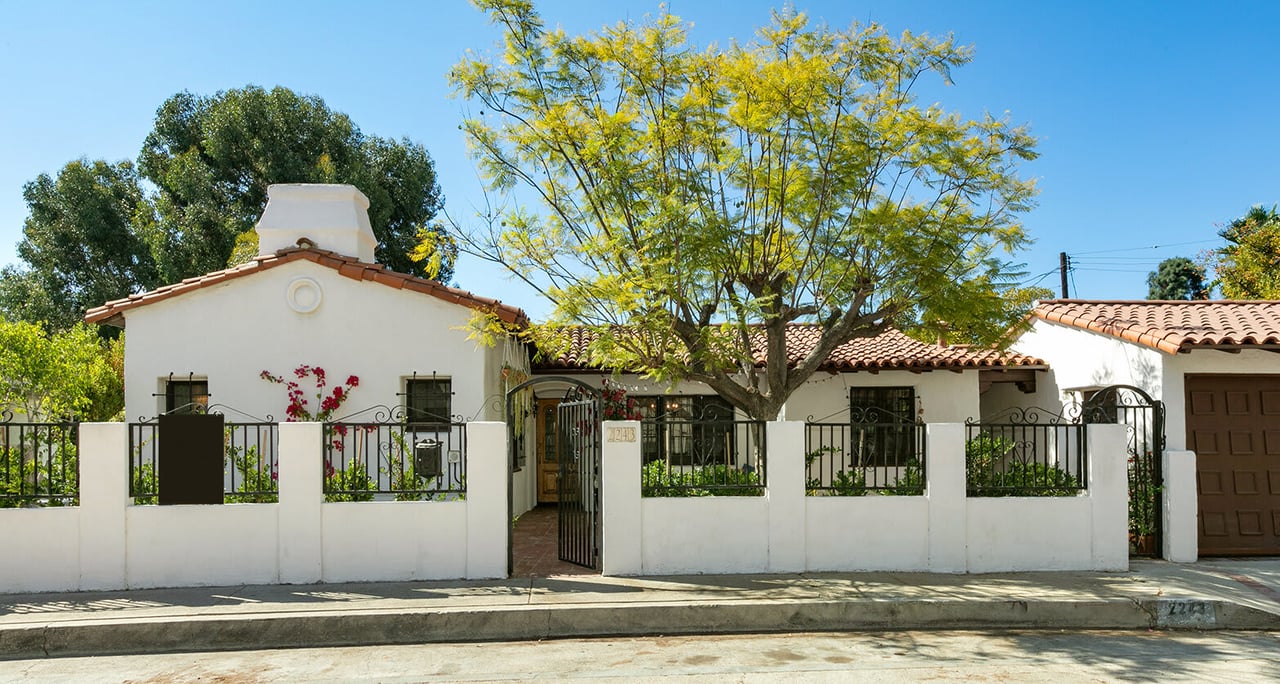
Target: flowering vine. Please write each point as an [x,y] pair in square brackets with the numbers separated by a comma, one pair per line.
[299,408]
[617,405]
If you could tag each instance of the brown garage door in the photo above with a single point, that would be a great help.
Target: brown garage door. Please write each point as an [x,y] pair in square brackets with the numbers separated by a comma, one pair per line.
[1233,424]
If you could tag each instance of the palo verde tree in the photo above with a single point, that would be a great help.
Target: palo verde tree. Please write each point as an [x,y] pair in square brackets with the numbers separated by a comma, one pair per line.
[1177,278]
[1248,267]
[694,202]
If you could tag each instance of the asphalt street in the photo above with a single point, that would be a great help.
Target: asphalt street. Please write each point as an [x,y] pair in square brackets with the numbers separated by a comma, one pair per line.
[1028,656]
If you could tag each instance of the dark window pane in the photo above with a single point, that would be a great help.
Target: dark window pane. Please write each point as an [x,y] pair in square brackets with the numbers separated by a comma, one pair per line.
[186,396]
[428,402]
[883,432]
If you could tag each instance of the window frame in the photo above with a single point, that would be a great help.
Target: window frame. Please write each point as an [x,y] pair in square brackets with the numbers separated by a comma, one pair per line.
[421,417]
[891,432]
[171,405]
[700,441]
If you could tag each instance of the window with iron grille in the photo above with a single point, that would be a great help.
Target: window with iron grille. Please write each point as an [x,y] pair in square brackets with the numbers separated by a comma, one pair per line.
[428,402]
[186,396]
[883,421]
[686,430]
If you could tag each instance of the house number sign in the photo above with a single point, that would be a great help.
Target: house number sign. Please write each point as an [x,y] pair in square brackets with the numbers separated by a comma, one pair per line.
[622,434]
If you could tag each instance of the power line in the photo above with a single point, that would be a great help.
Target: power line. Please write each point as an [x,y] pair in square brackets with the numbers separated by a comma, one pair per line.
[1135,249]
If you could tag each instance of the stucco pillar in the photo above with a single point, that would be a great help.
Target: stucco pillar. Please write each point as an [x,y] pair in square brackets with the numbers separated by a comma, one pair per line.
[621,551]
[488,516]
[104,496]
[1109,496]
[1180,507]
[301,480]
[945,490]
[784,444]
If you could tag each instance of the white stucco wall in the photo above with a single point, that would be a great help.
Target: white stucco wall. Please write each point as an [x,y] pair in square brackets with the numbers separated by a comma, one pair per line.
[1080,358]
[108,543]
[941,531]
[229,333]
[944,396]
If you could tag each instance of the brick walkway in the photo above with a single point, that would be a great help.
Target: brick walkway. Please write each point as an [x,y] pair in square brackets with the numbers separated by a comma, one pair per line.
[534,546]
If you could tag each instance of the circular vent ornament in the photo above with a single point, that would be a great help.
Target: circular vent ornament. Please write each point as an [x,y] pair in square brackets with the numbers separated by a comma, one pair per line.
[304,295]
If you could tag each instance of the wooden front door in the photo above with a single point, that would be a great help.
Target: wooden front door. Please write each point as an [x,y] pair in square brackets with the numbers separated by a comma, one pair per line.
[548,451]
[1233,425]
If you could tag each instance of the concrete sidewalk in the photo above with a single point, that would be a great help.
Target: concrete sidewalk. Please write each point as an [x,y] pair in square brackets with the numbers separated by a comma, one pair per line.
[1219,594]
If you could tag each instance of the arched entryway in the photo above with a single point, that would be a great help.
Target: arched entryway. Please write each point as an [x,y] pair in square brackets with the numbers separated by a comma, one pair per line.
[1143,418]
[553,433]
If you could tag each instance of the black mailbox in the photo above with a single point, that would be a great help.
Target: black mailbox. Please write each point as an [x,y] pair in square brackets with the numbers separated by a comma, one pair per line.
[426,459]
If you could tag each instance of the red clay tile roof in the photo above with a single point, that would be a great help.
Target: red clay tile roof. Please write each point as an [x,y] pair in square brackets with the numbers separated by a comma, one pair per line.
[1171,326]
[890,350]
[112,313]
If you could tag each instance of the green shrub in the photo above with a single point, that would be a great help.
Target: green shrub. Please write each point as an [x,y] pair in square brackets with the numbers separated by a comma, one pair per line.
[987,475]
[910,481]
[716,480]
[257,481]
[352,483]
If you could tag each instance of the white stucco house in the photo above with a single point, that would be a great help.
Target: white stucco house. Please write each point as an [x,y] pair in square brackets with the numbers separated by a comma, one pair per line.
[314,296]
[1216,367]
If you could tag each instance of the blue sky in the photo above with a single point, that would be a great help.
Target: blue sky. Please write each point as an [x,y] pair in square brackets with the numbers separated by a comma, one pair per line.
[1157,121]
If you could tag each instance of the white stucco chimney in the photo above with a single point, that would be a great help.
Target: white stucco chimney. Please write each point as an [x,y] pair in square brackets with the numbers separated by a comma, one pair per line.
[334,217]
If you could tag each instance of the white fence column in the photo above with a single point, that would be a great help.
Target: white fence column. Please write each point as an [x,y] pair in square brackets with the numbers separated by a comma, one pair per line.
[1109,496]
[784,451]
[945,489]
[104,495]
[488,514]
[1180,507]
[301,478]
[621,531]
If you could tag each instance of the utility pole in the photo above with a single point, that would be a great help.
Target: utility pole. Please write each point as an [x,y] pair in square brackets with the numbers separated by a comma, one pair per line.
[1063,262]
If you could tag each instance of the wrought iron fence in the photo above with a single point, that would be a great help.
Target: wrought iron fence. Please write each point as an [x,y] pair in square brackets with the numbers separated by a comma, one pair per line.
[1027,451]
[1144,420]
[693,456]
[875,452]
[250,461]
[395,459]
[38,463]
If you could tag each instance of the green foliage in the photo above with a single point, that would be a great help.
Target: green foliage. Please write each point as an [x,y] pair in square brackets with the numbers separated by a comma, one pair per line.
[910,481]
[100,231]
[212,159]
[56,376]
[351,483]
[988,474]
[657,480]
[1248,267]
[1177,278]
[144,482]
[80,243]
[693,200]
[256,481]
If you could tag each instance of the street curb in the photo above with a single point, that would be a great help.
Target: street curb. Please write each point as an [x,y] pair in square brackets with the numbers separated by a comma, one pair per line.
[524,623]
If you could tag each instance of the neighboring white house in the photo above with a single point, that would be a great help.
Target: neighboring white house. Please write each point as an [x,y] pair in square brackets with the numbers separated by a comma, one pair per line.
[1216,367]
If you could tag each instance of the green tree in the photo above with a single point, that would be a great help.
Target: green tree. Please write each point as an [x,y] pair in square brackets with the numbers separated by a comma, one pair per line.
[696,201]
[212,159]
[1248,267]
[52,376]
[95,233]
[81,243]
[1177,278]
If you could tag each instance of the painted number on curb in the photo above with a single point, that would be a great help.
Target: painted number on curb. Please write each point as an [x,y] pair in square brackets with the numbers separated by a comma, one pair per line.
[622,434]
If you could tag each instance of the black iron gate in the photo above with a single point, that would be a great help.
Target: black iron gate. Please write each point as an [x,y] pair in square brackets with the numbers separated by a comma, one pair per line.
[1143,418]
[579,481]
